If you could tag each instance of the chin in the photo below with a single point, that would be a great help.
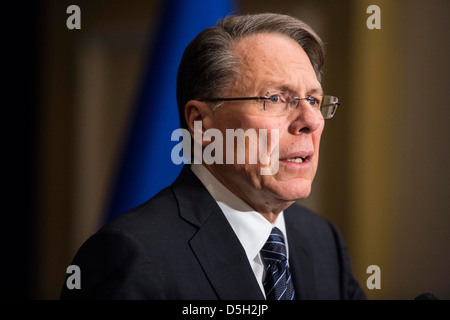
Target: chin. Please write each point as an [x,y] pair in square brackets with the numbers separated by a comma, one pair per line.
[290,190]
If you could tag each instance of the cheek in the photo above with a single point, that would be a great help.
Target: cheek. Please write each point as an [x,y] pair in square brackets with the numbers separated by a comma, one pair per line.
[255,139]
[316,135]
[266,137]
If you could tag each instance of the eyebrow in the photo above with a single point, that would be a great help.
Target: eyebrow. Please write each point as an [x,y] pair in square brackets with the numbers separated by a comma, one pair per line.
[318,91]
[288,88]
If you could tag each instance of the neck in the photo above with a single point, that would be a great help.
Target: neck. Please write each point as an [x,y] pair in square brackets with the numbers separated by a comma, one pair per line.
[258,199]
[270,210]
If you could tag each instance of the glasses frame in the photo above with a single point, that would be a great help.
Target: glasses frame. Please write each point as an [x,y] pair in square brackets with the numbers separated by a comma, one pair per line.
[266,97]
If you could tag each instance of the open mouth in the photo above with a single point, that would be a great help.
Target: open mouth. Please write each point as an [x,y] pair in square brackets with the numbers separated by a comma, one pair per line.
[296,159]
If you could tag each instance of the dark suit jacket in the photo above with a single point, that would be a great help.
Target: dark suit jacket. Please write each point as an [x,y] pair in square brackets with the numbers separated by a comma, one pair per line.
[179,245]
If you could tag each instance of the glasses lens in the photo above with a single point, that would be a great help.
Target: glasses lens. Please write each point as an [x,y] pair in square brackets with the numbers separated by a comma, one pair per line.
[328,106]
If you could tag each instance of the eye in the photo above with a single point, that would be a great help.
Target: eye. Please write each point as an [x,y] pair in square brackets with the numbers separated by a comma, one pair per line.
[274,101]
[276,98]
[313,101]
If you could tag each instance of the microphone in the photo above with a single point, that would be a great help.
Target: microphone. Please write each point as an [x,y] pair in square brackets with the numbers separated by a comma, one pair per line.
[426,296]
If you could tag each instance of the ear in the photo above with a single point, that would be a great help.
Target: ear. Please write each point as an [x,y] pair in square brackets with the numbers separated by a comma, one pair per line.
[195,110]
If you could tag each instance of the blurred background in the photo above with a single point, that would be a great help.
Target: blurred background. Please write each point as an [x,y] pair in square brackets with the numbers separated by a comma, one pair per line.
[383,178]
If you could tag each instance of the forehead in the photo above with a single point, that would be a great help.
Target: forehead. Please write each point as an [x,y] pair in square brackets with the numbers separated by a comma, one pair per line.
[272,58]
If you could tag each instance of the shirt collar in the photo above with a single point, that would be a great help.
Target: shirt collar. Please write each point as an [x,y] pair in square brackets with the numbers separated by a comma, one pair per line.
[251,228]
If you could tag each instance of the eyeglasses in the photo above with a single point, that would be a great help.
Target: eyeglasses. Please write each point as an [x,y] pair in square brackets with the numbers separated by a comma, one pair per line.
[279,103]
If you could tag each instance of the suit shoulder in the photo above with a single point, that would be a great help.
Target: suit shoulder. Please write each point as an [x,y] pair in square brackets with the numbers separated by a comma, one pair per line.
[116,260]
[149,222]
[162,206]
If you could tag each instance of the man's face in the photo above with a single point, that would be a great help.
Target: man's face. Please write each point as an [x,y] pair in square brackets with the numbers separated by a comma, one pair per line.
[272,62]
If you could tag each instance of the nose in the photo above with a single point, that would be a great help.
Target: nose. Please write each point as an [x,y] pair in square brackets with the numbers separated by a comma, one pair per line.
[305,119]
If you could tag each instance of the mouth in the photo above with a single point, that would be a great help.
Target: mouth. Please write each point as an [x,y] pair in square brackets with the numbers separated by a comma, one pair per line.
[297,158]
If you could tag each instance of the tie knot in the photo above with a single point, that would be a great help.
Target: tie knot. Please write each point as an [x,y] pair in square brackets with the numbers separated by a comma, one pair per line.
[274,250]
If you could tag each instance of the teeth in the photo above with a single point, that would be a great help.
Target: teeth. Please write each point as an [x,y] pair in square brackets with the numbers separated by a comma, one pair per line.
[297,160]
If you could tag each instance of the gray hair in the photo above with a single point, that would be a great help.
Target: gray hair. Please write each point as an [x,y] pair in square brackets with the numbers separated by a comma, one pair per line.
[209,66]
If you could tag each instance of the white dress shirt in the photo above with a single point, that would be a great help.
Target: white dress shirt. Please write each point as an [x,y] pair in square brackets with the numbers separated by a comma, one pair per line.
[251,228]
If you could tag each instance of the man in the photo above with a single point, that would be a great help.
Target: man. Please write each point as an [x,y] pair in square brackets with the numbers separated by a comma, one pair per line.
[224,230]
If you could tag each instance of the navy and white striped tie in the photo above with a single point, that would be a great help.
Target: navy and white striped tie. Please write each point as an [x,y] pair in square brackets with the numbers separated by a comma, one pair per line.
[278,282]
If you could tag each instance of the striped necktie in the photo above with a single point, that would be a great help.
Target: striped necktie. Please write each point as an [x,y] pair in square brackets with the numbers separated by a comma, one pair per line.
[278,282]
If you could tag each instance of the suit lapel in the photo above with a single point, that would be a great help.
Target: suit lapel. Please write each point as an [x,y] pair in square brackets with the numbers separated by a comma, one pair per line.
[300,259]
[215,244]
[224,261]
